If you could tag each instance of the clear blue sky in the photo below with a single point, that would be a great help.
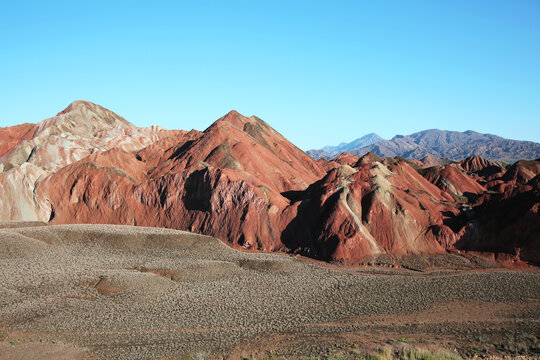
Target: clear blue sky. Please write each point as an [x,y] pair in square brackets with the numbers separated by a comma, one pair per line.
[319,72]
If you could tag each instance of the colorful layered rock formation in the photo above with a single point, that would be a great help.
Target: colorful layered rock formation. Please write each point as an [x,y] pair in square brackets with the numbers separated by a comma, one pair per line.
[243,182]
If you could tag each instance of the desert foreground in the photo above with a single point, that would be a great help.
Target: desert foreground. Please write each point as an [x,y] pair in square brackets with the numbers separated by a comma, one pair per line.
[121,292]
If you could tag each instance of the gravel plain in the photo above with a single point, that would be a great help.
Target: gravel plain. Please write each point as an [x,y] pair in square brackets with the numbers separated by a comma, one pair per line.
[121,292]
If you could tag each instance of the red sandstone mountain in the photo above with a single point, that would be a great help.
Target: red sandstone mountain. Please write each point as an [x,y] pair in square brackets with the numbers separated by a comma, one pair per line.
[243,182]
[226,182]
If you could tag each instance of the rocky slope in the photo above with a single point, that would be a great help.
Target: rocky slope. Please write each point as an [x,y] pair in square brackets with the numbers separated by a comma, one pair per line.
[453,145]
[243,182]
[10,137]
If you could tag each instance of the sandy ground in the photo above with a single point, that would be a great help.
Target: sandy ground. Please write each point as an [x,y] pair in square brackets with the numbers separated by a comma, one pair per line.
[120,292]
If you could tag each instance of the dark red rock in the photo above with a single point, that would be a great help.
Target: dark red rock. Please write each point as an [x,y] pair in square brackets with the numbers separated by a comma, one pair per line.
[482,168]
[454,181]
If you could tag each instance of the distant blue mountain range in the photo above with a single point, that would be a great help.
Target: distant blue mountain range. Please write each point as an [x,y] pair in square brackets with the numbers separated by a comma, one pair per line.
[453,145]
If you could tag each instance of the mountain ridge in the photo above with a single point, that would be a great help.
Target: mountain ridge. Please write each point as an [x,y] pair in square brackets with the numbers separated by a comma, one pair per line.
[453,145]
[329,152]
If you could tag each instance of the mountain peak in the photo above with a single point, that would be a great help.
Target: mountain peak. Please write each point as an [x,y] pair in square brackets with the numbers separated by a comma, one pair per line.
[233,113]
[235,118]
[82,117]
[75,105]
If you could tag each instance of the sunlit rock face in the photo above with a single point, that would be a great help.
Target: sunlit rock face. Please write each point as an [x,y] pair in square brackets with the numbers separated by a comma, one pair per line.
[243,182]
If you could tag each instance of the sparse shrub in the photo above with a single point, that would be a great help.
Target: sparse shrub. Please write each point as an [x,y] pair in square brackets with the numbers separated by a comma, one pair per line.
[406,340]
[421,354]
[389,353]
